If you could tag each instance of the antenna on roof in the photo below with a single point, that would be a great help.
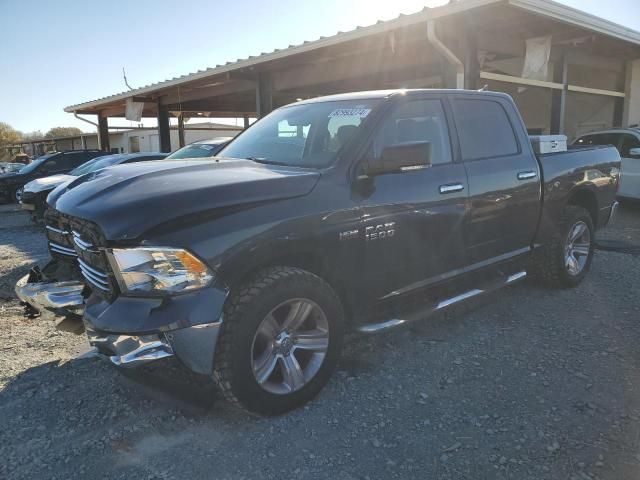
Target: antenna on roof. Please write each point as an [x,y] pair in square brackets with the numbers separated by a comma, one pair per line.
[484,89]
[125,79]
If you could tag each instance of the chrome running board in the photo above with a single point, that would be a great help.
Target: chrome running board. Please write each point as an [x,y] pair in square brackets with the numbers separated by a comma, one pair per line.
[441,305]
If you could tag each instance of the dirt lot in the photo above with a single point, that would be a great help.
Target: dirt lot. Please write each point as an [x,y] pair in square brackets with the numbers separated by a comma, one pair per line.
[529,384]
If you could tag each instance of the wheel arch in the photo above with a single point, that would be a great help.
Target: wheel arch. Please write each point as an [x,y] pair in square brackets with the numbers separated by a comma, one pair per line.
[310,261]
[586,198]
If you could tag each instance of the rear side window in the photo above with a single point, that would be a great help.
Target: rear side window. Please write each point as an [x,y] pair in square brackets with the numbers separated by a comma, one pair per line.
[417,121]
[484,129]
[628,142]
[599,139]
[72,160]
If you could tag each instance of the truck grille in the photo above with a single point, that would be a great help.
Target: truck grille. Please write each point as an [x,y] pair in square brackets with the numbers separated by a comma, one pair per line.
[79,241]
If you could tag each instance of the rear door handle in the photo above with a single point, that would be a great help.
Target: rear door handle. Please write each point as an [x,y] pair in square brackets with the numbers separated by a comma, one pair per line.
[451,188]
[527,175]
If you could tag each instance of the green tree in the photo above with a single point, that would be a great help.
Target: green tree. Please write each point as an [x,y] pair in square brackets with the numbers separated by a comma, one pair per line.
[56,132]
[8,135]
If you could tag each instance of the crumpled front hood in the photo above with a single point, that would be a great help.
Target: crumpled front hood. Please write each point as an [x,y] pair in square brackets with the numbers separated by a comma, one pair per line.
[125,201]
[47,183]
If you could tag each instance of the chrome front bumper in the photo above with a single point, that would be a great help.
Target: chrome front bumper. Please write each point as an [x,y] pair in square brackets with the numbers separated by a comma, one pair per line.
[194,346]
[59,298]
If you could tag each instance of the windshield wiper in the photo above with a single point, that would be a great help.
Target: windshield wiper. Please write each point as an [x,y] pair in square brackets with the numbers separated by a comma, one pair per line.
[264,161]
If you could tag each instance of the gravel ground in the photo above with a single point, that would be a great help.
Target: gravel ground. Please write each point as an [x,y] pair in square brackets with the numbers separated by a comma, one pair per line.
[528,383]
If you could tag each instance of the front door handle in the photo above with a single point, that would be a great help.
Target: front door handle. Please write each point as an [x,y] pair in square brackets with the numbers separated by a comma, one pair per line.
[451,188]
[527,175]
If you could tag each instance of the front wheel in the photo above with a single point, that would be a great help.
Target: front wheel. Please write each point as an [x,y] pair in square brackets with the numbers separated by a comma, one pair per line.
[567,259]
[17,195]
[281,339]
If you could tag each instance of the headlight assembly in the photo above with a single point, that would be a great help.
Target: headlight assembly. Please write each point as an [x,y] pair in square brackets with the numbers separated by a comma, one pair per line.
[158,270]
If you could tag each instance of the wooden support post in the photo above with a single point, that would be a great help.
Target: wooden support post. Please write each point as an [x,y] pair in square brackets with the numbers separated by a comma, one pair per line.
[246,121]
[181,131]
[559,97]
[84,142]
[73,144]
[471,63]
[264,94]
[103,133]
[164,133]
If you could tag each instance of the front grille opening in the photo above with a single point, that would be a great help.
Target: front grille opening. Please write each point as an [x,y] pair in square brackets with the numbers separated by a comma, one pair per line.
[79,241]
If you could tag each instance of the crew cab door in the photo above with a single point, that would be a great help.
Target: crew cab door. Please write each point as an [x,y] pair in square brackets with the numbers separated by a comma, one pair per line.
[504,178]
[412,220]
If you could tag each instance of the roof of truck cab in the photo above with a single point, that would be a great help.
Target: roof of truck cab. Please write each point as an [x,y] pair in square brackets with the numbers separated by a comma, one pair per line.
[381,94]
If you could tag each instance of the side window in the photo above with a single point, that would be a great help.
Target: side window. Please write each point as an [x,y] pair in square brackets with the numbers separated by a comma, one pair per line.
[628,142]
[599,139]
[50,165]
[417,121]
[71,160]
[484,129]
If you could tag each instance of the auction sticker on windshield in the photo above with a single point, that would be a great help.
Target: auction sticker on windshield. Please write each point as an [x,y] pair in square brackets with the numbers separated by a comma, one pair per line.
[350,112]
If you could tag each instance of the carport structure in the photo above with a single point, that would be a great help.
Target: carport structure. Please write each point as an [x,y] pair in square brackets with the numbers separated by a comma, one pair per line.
[592,77]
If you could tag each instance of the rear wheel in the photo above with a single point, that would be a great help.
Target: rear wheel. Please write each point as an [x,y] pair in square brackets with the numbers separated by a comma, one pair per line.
[281,339]
[567,259]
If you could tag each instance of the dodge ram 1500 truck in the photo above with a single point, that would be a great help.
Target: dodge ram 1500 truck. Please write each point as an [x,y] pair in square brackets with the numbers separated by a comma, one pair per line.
[354,212]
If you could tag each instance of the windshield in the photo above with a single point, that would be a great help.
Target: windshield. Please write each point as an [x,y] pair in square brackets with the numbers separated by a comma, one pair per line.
[307,135]
[196,150]
[36,163]
[96,164]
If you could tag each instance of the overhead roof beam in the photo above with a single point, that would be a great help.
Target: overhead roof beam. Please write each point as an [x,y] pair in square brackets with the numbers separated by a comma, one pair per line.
[235,86]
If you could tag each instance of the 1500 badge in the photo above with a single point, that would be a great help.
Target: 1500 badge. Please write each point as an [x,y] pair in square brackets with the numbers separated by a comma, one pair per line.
[374,232]
[380,232]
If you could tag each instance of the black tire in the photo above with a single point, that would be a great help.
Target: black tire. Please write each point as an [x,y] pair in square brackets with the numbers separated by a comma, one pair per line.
[548,263]
[246,308]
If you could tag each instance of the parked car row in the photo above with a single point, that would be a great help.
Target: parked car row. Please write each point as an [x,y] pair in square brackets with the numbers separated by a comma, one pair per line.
[358,212]
[34,193]
[53,168]
[11,184]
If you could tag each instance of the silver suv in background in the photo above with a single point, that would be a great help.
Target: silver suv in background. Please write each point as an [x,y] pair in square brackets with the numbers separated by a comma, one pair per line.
[627,141]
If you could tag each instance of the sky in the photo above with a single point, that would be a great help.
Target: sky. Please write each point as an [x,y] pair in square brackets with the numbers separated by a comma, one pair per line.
[58,53]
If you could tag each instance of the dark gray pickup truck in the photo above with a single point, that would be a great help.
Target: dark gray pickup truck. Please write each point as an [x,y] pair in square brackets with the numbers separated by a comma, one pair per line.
[358,212]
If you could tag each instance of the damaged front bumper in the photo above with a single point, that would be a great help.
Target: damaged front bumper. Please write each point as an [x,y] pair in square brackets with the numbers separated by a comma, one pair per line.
[194,346]
[131,332]
[59,298]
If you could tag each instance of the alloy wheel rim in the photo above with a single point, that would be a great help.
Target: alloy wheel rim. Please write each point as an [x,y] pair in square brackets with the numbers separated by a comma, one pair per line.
[577,248]
[290,346]
[18,195]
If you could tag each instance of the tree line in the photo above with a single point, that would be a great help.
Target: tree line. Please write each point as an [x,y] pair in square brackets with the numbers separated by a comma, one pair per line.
[11,136]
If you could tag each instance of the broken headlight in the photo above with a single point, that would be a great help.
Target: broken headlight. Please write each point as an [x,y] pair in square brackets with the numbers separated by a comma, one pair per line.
[157,270]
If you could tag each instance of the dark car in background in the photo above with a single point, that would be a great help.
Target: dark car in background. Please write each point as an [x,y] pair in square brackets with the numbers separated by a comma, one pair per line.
[49,164]
[201,149]
[34,194]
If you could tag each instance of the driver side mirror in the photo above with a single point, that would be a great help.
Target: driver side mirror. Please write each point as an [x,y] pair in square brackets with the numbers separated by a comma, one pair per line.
[634,153]
[401,156]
